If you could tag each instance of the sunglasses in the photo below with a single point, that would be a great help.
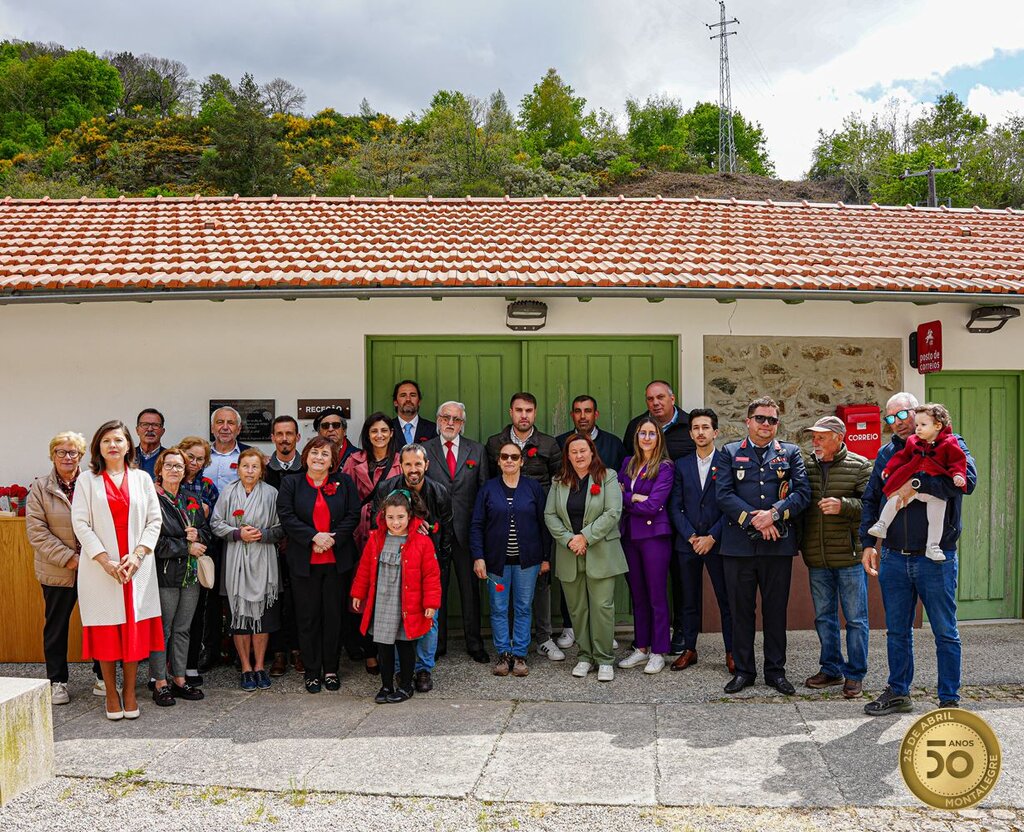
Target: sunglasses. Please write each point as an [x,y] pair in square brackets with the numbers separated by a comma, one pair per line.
[899,414]
[509,457]
[761,419]
[330,425]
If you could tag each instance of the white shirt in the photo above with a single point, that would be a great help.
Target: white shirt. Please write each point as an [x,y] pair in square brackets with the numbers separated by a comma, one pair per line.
[401,427]
[704,467]
[455,445]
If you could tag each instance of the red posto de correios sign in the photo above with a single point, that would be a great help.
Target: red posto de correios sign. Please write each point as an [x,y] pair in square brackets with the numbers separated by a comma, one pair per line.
[929,347]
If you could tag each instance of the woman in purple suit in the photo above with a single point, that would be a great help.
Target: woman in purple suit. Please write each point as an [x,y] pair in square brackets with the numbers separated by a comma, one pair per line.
[646,479]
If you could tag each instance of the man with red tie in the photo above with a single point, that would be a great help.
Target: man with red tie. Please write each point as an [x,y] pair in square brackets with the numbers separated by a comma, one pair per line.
[460,465]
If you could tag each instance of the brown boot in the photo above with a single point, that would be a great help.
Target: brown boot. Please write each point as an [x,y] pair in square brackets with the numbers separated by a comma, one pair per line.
[852,688]
[280,665]
[297,662]
[519,667]
[822,680]
[501,666]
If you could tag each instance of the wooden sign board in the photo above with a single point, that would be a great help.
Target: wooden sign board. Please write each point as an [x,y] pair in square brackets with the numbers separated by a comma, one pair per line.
[309,409]
[257,417]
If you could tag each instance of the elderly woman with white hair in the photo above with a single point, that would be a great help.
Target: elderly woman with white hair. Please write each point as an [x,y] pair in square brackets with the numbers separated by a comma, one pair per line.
[48,522]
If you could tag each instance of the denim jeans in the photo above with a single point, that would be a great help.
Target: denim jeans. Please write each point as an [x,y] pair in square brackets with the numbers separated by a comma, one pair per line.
[520,583]
[830,588]
[426,649]
[904,579]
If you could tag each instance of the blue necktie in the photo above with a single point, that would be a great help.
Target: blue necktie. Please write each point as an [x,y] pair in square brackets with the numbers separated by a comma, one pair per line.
[408,433]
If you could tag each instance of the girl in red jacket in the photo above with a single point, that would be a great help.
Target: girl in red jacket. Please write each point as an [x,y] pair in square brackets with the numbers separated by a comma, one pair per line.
[397,587]
[933,450]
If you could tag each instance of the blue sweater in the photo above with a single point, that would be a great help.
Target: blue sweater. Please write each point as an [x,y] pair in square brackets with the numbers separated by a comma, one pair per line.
[488,530]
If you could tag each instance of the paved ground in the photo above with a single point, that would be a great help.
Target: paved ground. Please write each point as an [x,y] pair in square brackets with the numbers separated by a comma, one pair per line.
[480,752]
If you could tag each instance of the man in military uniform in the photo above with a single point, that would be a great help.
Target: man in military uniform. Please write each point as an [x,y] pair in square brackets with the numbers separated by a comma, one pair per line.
[762,486]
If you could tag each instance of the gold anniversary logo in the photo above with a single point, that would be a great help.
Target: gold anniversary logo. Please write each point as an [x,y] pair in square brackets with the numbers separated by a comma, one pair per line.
[950,759]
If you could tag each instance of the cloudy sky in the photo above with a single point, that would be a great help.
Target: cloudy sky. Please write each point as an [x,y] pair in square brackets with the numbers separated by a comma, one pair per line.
[797,65]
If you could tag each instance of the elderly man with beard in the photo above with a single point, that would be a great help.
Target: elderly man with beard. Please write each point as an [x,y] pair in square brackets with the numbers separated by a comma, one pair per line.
[827,535]
[439,524]
[460,465]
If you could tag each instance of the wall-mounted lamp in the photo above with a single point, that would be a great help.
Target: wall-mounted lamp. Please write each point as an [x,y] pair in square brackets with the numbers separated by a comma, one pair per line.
[526,315]
[996,316]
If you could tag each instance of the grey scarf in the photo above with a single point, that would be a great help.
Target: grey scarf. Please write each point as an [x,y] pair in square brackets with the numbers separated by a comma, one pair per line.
[251,577]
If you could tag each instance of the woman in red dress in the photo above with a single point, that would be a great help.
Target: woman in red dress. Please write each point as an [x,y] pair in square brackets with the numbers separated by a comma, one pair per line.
[116,517]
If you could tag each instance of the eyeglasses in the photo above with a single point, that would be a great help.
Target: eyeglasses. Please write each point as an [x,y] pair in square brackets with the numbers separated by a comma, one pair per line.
[647,434]
[509,457]
[330,425]
[173,466]
[149,425]
[456,419]
[68,454]
[899,414]
[761,419]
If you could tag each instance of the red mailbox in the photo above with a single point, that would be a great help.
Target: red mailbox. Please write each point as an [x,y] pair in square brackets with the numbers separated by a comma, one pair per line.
[863,428]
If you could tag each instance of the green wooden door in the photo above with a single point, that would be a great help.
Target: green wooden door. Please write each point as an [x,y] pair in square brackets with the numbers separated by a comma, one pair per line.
[986,410]
[483,372]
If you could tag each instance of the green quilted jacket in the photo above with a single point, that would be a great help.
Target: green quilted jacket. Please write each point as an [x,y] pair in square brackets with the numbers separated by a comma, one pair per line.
[830,540]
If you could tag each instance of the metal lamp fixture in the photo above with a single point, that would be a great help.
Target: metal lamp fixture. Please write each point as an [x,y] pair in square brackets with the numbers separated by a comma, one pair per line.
[997,316]
[526,315]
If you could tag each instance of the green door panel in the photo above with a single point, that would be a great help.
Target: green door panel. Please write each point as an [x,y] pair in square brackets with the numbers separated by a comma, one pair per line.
[986,410]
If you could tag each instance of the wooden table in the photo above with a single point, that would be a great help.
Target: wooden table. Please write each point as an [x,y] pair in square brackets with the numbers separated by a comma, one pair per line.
[21,600]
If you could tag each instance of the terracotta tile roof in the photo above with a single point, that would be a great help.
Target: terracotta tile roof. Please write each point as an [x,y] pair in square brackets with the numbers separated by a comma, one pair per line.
[578,244]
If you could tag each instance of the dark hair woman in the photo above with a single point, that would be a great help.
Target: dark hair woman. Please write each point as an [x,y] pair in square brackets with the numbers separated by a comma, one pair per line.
[582,514]
[319,511]
[116,517]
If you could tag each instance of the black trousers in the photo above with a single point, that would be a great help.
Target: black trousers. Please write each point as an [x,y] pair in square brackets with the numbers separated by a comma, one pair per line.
[286,638]
[319,601]
[59,603]
[744,578]
[691,569]
[208,623]
[407,658]
[461,566]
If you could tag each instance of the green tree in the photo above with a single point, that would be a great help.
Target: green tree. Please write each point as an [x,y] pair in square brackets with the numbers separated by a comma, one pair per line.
[658,133]
[552,115]
[702,132]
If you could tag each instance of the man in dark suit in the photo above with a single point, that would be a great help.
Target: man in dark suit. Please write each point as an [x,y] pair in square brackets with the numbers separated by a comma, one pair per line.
[407,424]
[762,486]
[694,511]
[584,417]
[675,425]
[441,527]
[460,464]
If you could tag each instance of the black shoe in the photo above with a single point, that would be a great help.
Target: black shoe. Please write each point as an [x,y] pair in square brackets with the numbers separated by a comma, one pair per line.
[782,685]
[312,685]
[889,703]
[331,681]
[194,681]
[399,695]
[186,691]
[382,695]
[424,684]
[738,682]
[163,696]
[479,656]
[151,684]
[441,651]
[949,703]
[678,645]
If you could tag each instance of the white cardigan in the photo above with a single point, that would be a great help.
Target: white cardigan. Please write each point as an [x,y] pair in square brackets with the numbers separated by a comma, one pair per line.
[100,597]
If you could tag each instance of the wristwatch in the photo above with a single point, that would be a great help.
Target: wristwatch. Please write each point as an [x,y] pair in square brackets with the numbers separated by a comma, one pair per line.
[775,514]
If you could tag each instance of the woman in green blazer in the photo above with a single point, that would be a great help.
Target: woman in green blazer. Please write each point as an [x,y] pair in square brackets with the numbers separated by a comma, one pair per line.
[582,513]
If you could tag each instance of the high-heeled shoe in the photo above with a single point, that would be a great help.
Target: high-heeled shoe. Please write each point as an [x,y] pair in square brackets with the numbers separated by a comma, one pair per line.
[118,714]
[132,714]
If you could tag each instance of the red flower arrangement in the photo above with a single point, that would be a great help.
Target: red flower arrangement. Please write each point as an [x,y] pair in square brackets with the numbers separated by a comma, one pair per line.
[193,508]
[471,463]
[238,513]
[16,495]
[595,489]
[330,489]
[532,452]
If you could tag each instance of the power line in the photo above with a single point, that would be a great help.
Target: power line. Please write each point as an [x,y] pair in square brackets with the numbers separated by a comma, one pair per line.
[726,139]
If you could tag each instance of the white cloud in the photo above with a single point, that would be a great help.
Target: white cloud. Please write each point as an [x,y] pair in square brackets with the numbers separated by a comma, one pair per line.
[996,104]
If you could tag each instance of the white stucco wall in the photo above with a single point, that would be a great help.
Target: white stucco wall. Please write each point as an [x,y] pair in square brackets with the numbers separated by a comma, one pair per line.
[74,366]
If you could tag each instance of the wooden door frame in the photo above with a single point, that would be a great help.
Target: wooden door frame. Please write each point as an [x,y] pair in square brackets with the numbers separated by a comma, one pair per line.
[1017,575]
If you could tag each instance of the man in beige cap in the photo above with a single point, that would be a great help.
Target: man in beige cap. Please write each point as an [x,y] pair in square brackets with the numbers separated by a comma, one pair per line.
[828,531]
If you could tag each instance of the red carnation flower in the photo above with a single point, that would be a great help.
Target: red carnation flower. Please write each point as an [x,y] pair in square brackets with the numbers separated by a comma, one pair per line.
[471,463]
[435,528]
[595,489]
[531,452]
[238,513]
[499,587]
[331,489]
[192,504]
[207,481]
[234,465]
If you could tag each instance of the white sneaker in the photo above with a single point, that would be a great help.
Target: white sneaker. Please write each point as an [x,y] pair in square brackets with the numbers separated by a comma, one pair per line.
[99,688]
[567,639]
[582,669]
[878,530]
[634,659]
[655,664]
[615,644]
[550,649]
[605,673]
[59,693]
[935,553]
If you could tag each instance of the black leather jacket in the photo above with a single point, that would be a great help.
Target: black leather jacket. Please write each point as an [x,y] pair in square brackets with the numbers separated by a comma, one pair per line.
[439,512]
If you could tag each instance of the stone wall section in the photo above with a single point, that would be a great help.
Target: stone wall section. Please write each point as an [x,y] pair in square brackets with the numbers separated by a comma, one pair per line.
[808,376]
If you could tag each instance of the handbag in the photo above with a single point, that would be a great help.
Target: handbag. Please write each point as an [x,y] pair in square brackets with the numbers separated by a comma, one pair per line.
[206,571]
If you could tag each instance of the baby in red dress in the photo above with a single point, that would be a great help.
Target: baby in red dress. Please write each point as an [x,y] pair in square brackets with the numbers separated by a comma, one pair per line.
[933,450]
